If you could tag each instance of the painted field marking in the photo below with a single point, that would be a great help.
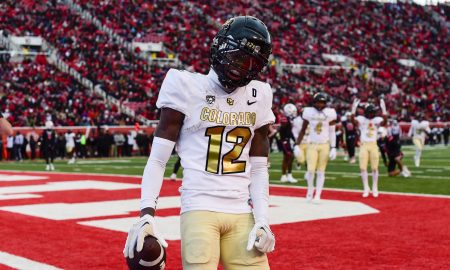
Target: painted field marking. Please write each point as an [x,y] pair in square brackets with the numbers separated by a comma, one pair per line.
[22,263]
[18,177]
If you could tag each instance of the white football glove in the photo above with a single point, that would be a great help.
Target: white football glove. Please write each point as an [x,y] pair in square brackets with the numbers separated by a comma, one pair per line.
[355,105]
[383,107]
[332,153]
[144,227]
[262,238]
[297,150]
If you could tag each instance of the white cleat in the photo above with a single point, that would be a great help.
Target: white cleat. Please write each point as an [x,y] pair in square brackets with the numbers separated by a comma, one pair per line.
[352,160]
[309,195]
[417,162]
[47,168]
[52,168]
[405,172]
[316,200]
[291,179]
[366,193]
[375,194]
[173,176]
[345,158]
[284,179]
[71,161]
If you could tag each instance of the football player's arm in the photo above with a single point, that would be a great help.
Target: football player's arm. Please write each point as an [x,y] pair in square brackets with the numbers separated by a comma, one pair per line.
[166,135]
[5,126]
[384,112]
[302,132]
[332,139]
[260,236]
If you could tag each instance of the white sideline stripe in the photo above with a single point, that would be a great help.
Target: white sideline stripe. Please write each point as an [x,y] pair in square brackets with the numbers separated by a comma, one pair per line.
[381,192]
[22,263]
[103,161]
[18,196]
[335,189]
[13,178]
[72,173]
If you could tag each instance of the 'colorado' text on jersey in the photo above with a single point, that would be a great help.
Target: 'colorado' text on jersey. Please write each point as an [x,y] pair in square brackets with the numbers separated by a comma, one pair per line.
[215,138]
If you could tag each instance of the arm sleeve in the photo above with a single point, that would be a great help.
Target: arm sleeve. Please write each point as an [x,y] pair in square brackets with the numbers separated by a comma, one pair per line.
[174,93]
[332,135]
[265,115]
[259,189]
[154,171]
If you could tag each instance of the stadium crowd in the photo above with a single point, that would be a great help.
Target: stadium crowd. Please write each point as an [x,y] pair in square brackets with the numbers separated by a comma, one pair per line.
[374,35]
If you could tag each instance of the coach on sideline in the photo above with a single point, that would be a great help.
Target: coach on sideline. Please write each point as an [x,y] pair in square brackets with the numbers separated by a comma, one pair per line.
[5,126]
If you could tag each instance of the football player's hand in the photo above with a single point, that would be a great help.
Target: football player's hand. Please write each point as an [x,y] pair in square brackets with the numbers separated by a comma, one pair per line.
[262,238]
[355,105]
[332,153]
[144,227]
[383,107]
[297,151]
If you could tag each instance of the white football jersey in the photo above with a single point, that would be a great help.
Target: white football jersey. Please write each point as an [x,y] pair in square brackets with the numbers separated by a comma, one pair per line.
[368,128]
[319,123]
[297,124]
[215,138]
[418,129]
[70,139]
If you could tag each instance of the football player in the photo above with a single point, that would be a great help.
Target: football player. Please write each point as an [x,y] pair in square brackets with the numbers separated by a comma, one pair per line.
[300,150]
[220,123]
[289,112]
[322,122]
[5,126]
[419,128]
[368,125]
[49,145]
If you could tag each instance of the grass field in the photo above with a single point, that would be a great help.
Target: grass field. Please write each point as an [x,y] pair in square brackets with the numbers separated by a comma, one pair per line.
[432,177]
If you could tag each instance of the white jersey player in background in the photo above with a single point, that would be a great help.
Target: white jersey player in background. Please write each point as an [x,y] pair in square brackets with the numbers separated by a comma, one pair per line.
[322,126]
[300,151]
[220,123]
[418,130]
[368,125]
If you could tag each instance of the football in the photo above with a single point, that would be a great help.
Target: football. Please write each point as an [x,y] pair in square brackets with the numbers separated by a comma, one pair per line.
[152,256]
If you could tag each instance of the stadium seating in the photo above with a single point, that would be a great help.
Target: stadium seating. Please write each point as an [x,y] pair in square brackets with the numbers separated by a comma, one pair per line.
[375,35]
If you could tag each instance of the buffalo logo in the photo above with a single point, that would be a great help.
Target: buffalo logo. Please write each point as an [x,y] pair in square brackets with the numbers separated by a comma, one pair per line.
[210,99]
[230,101]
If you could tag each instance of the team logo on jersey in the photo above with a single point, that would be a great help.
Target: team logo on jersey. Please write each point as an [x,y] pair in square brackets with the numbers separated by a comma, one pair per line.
[230,101]
[210,99]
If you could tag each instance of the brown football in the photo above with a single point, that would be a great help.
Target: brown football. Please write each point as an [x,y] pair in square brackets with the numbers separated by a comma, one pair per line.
[152,256]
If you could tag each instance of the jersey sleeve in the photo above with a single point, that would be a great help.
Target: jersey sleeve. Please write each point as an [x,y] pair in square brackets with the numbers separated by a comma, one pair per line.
[174,93]
[332,116]
[360,119]
[265,115]
[307,113]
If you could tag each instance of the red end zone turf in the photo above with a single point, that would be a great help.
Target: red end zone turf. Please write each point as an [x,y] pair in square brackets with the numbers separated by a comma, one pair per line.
[409,232]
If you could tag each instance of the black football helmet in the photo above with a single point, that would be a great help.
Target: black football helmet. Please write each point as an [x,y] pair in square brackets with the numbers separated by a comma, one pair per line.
[320,100]
[240,51]
[370,110]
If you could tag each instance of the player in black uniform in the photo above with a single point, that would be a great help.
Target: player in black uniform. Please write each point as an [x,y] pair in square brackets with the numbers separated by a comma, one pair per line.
[285,132]
[350,136]
[49,145]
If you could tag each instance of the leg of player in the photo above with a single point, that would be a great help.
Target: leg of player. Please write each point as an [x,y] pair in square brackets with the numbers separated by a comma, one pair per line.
[312,156]
[176,167]
[374,161]
[323,155]
[290,159]
[419,145]
[284,178]
[363,162]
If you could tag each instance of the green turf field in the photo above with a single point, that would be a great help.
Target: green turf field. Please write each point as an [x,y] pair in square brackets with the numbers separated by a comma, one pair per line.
[433,176]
